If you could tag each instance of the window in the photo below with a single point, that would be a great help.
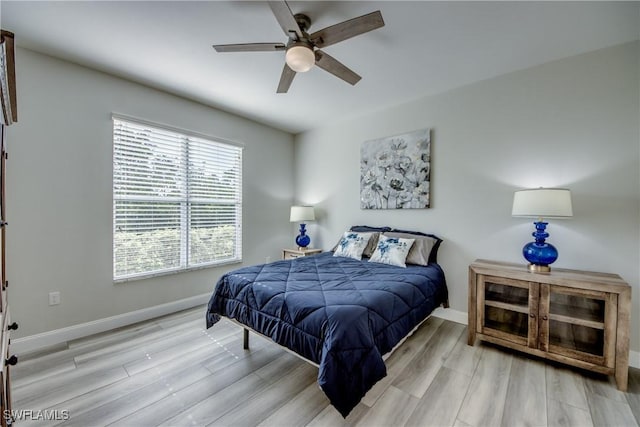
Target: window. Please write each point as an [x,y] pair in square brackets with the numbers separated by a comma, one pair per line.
[177,200]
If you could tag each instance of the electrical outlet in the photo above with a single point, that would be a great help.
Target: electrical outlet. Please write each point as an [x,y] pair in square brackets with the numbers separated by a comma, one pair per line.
[54,298]
[267,260]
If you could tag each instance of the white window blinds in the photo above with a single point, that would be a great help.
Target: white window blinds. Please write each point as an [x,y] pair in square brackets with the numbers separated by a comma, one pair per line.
[177,200]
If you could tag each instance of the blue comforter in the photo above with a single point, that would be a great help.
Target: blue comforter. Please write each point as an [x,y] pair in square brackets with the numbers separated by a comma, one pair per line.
[340,313]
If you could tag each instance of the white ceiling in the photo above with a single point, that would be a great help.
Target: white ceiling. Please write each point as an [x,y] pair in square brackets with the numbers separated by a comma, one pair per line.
[425,48]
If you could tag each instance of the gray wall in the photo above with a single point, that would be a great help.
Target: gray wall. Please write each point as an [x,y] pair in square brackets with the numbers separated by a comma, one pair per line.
[570,123]
[59,193]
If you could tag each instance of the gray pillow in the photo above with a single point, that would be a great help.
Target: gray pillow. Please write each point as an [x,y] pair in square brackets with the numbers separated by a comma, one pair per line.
[420,250]
[371,246]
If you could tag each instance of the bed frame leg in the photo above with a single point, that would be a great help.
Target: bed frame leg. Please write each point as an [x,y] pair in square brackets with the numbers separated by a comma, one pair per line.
[245,339]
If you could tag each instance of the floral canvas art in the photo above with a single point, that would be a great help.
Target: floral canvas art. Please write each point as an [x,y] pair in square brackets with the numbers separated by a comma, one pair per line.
[395,171]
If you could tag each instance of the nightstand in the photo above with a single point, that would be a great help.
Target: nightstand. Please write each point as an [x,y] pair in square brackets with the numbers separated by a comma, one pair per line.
[300,252]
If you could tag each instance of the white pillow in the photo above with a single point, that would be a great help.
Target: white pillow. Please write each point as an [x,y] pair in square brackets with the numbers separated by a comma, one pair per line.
[420,251]
[392,250]
[352,244]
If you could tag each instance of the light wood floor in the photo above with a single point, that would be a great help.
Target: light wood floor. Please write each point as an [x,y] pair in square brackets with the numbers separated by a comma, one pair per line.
[171,371]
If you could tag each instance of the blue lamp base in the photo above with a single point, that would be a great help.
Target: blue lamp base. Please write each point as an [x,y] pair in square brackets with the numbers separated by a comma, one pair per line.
[303,240]
[539,253]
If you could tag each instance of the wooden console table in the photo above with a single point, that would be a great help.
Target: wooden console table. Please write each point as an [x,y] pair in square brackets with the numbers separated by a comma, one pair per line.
[575,317]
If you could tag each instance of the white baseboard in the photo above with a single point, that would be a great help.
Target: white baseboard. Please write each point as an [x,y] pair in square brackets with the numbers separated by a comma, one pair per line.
[634,359]
[451,314]
[461,317]
[58,336]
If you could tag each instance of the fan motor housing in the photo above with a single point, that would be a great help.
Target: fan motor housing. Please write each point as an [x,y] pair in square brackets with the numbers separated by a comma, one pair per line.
[304,22]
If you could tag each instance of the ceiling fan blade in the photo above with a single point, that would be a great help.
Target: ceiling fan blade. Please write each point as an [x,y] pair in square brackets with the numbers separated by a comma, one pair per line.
[286,20]
[249,47]
[347,29]
[285,79]
[335,67]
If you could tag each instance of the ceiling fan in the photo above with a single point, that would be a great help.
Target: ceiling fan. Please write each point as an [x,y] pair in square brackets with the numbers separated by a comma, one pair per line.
[303,49]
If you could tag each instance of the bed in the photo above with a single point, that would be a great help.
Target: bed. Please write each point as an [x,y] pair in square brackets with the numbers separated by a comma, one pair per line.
[340,313]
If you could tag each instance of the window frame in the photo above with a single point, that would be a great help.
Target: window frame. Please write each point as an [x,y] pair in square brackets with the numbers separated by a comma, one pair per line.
[184,202]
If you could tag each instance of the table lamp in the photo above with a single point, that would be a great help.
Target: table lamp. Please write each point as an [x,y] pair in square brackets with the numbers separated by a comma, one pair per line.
[541,203]
[302,214]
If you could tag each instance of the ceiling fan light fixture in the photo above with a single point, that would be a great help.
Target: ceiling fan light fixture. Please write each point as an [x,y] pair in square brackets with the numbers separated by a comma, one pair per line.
[300,58]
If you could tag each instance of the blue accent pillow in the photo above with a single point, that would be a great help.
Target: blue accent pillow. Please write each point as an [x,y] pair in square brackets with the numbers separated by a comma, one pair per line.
[368,229]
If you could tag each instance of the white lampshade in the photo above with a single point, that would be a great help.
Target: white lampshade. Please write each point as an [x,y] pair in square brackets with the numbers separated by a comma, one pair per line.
[542,203]
[302,213]
[300,58]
